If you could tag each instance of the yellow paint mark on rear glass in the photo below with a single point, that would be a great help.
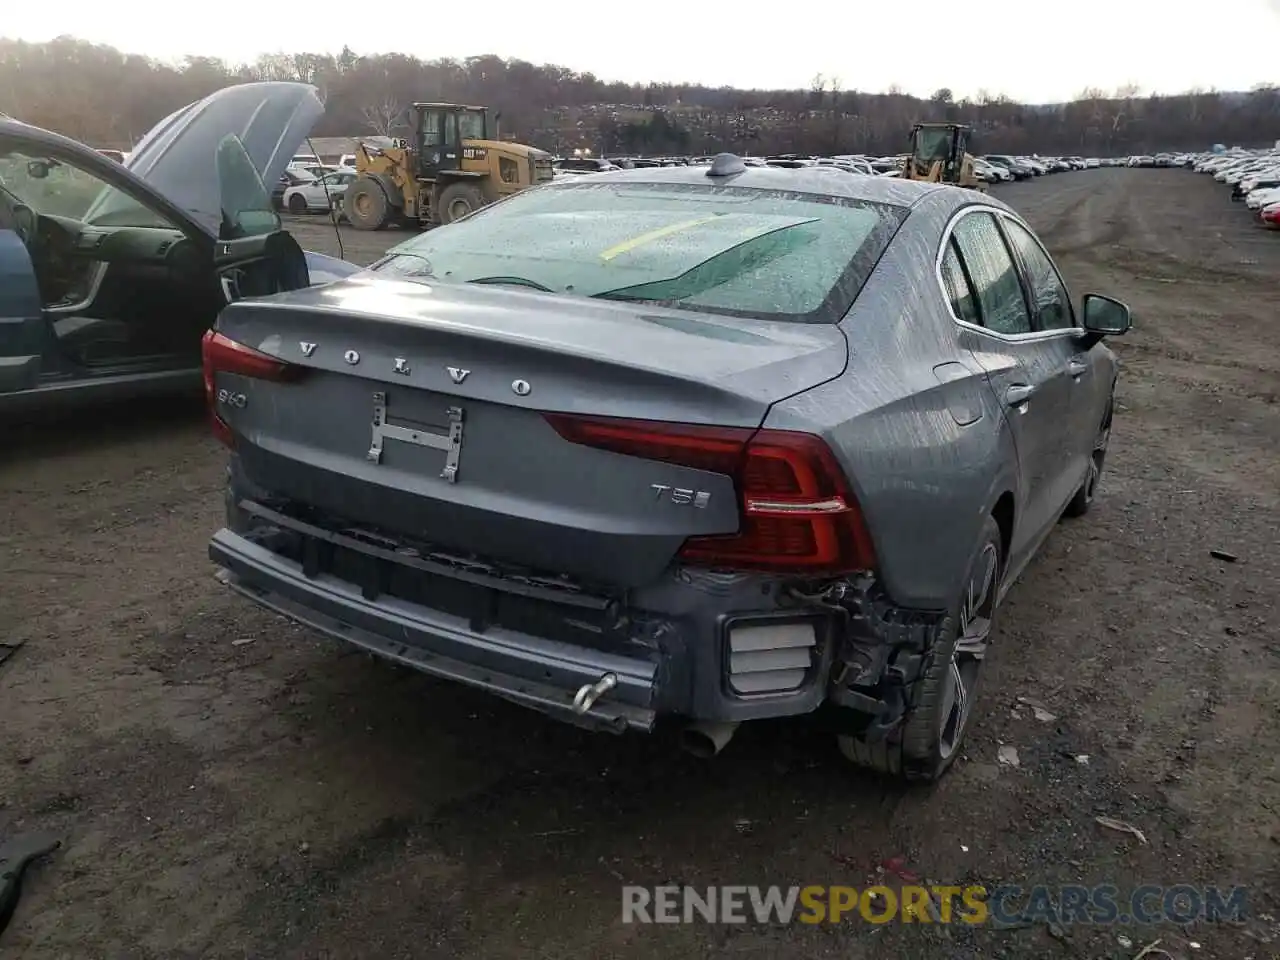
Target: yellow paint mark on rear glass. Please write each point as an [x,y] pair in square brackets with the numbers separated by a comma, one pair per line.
[626,246]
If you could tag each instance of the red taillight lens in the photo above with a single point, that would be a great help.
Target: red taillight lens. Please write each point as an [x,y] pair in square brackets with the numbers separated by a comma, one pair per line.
[221,354]
[798,515]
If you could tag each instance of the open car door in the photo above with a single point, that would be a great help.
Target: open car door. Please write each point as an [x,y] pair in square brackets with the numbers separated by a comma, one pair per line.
[109,296]
[107,283]
[254,255]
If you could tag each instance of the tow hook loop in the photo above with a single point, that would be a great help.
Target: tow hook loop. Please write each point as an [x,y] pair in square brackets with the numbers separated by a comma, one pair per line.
[589,693]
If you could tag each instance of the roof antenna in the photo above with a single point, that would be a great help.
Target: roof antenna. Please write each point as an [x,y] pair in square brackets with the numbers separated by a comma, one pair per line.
[333,216]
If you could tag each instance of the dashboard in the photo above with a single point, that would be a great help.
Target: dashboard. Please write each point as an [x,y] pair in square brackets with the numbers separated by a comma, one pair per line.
[71,257]
[143,246]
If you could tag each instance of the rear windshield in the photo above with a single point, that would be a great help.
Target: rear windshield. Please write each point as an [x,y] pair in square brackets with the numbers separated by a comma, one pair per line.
[775,255]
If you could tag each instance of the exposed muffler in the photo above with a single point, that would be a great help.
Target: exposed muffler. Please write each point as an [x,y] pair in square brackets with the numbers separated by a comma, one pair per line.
[706,739]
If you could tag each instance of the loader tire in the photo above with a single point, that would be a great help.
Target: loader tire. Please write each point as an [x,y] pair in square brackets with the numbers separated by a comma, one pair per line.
[457,200]
[365,204]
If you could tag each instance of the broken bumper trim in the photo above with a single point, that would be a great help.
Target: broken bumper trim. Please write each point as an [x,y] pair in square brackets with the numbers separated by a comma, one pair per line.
[532,671]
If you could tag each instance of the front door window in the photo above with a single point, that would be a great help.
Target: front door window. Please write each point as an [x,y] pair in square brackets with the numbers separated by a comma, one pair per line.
[993,274]
[1048,292]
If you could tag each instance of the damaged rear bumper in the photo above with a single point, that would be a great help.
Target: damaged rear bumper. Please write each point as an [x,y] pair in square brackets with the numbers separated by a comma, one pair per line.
[531,671]
[676,649]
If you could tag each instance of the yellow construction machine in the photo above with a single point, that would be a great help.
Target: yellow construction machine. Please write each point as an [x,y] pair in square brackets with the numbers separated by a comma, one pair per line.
[445,169]
[939,155]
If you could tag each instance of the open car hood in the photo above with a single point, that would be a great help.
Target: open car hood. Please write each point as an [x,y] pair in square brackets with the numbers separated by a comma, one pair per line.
[178,156]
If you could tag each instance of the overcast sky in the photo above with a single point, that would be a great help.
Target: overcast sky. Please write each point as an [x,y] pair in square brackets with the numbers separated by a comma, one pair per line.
[1038,51]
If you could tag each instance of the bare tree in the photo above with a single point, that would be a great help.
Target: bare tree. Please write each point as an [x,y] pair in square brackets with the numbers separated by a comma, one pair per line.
[817,91]
[105,97]
[384,117]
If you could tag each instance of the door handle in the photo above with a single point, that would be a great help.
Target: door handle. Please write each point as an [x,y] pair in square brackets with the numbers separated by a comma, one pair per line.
[1018,396]
[1077,368]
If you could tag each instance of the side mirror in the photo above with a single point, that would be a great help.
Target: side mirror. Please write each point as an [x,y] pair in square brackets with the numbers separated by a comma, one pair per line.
[1106,316]
[1103,317]
[38,169]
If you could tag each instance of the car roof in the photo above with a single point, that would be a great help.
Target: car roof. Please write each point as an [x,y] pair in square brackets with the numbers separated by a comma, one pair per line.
[822,180]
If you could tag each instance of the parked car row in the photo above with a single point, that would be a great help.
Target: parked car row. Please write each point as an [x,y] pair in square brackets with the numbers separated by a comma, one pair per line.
[1254,178]
[993,168]
[1157,160]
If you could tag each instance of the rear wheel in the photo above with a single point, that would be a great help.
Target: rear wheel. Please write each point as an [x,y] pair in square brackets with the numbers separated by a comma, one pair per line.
[933,732]
[297,203]
[366,205]
[459,199]
[1083,499]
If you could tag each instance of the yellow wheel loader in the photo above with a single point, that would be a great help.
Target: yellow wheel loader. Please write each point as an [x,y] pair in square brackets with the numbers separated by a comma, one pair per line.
[939,155]
[444,170]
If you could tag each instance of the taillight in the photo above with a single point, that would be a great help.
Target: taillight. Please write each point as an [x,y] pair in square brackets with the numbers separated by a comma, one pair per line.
[798,514]
[220,354]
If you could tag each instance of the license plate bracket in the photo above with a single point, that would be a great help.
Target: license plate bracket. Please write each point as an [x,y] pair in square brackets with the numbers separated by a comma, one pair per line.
[450,443]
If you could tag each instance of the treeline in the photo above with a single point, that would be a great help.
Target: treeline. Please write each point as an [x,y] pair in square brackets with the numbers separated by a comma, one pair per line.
[108,99]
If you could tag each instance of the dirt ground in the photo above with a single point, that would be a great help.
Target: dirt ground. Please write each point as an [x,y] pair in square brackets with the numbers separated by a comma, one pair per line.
[228,785]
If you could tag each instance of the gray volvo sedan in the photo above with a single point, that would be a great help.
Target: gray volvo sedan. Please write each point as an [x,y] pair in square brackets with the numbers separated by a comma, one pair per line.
[699,445]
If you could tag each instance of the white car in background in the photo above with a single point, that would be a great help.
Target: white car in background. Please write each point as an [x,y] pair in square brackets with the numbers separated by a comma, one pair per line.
[317,196]
[1257,199]
[991,172]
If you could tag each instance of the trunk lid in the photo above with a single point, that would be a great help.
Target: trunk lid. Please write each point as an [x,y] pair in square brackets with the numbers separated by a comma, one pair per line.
[406,380]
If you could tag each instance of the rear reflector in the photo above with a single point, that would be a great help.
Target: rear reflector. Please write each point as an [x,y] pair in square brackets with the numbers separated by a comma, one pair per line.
[798,514]
[220,354]
[770,657]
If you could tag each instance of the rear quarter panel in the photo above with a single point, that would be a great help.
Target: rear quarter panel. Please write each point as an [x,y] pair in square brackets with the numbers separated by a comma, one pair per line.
[912,419]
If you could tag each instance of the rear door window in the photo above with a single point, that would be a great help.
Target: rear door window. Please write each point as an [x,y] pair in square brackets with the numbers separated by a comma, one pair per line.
[993,274]
[963,303]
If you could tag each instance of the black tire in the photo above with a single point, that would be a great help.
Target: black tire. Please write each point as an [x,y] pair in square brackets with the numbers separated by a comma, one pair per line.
[366,205]
[457,200]
[298,204]
[1084,497]
[933,732]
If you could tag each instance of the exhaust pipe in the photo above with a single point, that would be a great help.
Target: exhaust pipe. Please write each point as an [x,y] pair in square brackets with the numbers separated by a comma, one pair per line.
[706,739]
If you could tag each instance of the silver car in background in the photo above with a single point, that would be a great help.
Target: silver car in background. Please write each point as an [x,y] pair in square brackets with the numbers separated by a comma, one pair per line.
[701,444]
